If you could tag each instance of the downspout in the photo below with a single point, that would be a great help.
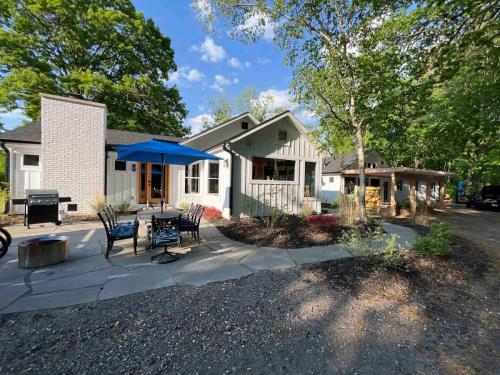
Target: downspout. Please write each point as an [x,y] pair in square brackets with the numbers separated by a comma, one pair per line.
[7,173]
[232,153]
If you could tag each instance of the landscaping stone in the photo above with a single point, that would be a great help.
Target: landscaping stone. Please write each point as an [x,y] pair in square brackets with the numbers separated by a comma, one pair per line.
[317,254]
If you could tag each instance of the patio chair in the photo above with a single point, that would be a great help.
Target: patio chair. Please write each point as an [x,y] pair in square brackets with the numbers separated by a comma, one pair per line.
[114,216]
[5,241]
[192,225]
[164,232]
[118,232]
[190,212]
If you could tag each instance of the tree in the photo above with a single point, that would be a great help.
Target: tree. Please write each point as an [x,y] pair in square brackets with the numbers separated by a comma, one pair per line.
[344,58]
[222,108]
[454,123]
[104,50]
[261,107]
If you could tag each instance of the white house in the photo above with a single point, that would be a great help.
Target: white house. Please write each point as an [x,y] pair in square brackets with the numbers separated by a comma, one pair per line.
[272,163]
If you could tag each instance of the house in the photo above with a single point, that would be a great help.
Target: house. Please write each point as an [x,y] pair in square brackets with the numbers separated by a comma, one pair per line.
[263,165]
[340,176]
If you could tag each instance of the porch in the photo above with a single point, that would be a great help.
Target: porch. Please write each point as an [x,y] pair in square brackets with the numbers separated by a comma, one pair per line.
[390,182]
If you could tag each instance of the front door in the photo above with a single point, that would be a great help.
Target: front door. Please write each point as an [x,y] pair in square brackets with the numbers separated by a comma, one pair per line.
[149,183]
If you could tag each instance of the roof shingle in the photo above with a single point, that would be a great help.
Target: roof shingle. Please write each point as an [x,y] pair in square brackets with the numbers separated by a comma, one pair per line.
[31,133]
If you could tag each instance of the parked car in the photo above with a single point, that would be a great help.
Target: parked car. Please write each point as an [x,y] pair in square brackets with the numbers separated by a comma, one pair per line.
[488,198]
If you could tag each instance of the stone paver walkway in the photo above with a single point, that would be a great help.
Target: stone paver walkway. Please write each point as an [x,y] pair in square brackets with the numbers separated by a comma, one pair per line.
[88,276]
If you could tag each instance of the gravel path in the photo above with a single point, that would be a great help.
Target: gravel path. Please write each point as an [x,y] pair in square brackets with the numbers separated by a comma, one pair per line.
[343,316]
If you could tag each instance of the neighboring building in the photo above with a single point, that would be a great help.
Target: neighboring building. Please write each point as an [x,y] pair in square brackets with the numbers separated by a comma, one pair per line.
[340,175]
[272,163]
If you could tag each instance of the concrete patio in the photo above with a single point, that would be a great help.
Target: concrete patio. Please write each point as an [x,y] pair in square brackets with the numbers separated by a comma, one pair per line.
[89,277]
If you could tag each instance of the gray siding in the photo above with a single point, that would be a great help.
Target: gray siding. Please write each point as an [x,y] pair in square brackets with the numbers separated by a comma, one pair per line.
[252,197]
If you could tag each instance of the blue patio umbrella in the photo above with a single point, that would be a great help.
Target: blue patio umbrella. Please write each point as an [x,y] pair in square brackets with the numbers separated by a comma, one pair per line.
[162,152]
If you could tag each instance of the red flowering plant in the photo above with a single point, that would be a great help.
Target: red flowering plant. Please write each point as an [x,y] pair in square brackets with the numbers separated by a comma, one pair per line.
[322,222]
[212,214]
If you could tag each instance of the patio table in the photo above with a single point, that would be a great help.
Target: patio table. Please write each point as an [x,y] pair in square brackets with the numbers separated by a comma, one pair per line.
[148,214]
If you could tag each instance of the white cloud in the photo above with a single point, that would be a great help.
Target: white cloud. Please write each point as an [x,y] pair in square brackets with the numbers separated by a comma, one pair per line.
[194,75]
[281,99]
[210,51]
[196,122]
[235,63]
[258,24]
[185,73]
[220,81]
[16,114]
[263,61]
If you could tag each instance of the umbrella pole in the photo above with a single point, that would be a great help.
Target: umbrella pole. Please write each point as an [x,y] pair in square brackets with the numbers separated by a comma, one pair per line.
[162,182]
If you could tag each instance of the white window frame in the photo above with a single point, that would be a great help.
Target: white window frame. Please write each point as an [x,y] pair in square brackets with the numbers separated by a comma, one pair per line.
[30,167]
[189,178]
[212,178]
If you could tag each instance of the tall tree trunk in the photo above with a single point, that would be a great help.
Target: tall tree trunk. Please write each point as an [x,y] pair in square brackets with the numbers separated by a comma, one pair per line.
[361,170]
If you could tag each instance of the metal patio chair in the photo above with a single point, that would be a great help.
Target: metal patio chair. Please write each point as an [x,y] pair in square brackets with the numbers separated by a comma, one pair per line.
[165,231]
[118,232]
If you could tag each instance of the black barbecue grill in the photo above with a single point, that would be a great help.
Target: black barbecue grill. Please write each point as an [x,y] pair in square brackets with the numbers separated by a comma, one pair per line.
[41,206]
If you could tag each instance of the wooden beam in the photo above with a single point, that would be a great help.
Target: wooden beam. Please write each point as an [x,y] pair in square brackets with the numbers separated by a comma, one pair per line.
[394,188]
[413,196]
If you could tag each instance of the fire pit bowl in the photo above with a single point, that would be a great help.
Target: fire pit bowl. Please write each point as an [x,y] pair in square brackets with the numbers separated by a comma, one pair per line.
[43,251]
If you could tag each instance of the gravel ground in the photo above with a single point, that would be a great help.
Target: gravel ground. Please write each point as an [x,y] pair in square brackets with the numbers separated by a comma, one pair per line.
[346,316]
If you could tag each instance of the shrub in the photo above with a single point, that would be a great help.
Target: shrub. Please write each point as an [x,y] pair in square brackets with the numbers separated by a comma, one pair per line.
[306,209]
[124,207]
[98,204]
[392,256]
[437,242]
[184,206]
[371,243]
[405,204]
[212,214]
[322,222]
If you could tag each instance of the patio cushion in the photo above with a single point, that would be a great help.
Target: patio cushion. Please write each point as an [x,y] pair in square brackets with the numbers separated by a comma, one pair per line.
[166,237]
[187,225]
[123,231]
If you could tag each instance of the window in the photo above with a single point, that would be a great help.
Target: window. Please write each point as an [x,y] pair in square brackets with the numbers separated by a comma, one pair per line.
[273,169]
[31,160]
[213,178]
[399,185]
[370,165]
[332,180]
[282,135]
[192,179]
[244,125]
[310,180]
[120,165]
[374,182]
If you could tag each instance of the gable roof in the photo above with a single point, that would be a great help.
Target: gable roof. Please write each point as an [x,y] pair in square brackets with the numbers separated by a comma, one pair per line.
[31,133]
[338,163]
[221,125]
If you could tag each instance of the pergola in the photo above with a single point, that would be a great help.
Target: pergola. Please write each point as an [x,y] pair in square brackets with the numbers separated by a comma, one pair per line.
[412,174]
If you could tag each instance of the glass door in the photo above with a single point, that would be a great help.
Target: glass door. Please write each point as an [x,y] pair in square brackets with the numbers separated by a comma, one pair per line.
[149,181]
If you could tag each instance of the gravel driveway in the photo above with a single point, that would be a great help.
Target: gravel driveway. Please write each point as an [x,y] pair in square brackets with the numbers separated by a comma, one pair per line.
[345,316]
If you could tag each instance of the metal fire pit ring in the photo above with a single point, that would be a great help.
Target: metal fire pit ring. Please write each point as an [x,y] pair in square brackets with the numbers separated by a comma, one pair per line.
[43,251]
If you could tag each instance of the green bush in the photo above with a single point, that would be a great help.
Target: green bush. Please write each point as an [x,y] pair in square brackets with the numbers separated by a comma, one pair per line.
[371,243]
[437,242]
[124,207]
[184,206]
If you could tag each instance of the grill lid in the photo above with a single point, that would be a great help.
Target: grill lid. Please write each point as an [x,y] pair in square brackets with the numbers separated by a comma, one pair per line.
[42,193]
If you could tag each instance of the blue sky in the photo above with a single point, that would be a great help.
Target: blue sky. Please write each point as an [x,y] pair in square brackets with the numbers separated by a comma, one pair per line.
[209,63]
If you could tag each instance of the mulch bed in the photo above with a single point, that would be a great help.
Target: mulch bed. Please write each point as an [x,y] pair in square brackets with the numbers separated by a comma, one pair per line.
[294,233]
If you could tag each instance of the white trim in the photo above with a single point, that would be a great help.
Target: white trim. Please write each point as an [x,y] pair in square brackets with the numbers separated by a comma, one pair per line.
[72,100]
